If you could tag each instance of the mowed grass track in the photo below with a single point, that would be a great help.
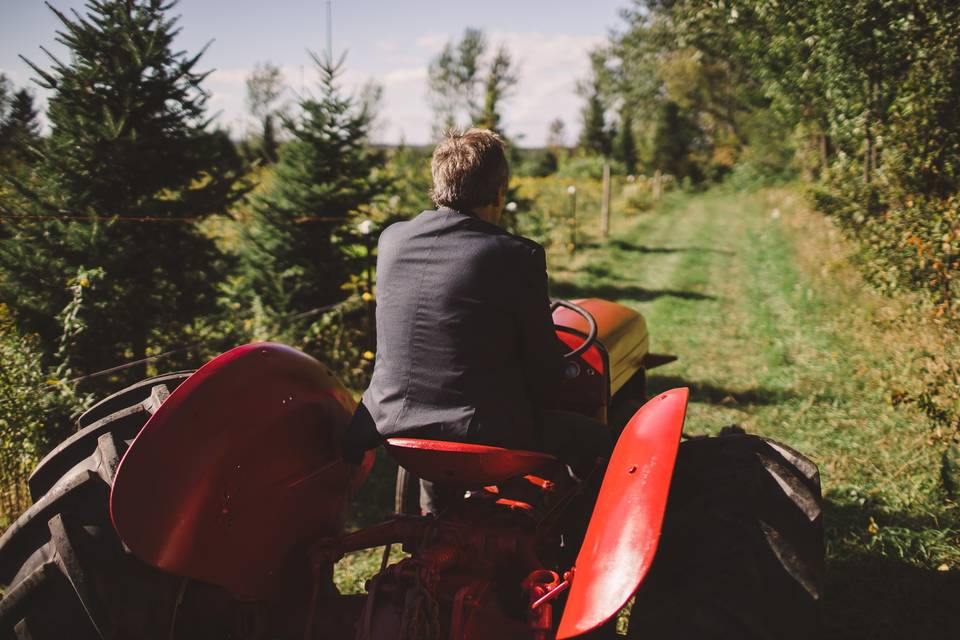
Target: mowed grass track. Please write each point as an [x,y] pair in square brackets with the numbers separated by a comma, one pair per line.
[776,333]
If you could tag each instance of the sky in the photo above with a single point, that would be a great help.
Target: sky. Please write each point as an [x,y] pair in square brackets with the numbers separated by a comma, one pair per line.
[389,42]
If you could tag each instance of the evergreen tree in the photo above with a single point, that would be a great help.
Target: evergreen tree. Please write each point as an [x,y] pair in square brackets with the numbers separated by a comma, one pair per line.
[673,141]
[128,167]
[20,129]
[624,145]
[269,144]
[296,256]
[595,137]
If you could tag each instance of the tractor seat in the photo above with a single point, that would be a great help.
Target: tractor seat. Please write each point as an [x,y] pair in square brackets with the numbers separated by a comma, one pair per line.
[470,466]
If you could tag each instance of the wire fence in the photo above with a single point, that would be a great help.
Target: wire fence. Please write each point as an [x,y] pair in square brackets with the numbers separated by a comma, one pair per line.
[202,343]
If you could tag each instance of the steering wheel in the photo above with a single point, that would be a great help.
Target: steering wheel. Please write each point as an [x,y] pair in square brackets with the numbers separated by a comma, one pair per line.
[591,323]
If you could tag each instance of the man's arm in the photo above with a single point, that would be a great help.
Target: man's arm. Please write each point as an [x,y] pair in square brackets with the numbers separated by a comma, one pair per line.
[542,353]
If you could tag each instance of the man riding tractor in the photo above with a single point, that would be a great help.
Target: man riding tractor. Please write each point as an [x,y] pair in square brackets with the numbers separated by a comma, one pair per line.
[466,345]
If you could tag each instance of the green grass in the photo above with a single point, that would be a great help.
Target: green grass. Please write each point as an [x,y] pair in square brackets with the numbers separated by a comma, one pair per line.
[771,341]
[776,333]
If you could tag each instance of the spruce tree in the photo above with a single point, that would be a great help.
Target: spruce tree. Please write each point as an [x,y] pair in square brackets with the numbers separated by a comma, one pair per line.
[300,235]
[130,165]
[624,145]
[594,137]
[19,130]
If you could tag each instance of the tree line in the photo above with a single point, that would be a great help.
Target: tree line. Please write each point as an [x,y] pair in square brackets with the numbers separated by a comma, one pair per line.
[861,97]
[135,226]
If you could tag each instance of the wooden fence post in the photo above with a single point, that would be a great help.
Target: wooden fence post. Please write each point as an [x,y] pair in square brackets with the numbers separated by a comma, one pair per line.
[605,202]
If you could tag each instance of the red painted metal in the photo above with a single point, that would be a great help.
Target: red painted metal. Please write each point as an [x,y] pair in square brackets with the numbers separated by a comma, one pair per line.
[238,466]
[621,330]
[465,465]
[624,529]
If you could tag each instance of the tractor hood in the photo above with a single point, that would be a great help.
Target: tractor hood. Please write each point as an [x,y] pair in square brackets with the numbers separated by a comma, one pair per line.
[237,467]
[621,330]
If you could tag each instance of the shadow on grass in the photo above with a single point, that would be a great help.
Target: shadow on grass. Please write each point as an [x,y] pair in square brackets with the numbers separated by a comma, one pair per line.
[713,394]
[869,594]
[616,292]
[623,245]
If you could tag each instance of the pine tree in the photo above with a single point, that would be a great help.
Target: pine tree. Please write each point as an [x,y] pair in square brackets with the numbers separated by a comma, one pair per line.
[594,137]
[128,167]
[296,253]
[673,141]
[20,130]
[269,144]
[624,145]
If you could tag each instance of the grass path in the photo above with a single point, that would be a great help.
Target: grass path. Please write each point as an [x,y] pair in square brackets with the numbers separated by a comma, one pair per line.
[775,333]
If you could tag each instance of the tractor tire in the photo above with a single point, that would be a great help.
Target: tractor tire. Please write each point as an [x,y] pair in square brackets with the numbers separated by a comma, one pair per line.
[741,554]
[63,570]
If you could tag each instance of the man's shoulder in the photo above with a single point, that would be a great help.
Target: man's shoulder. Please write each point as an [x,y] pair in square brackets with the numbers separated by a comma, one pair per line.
[494,237]
[526,245]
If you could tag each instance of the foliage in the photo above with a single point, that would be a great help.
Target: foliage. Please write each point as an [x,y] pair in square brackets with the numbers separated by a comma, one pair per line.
[624,143]
[407,172]
[595,133]
[501,78]
[673,143]
[19,130]
[588,167]
[862,96]
[300,246]
[455,75]
[37,402]
[128,166]
[264,87]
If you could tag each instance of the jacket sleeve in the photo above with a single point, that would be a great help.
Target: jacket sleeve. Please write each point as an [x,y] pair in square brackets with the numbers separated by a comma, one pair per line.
[541,351]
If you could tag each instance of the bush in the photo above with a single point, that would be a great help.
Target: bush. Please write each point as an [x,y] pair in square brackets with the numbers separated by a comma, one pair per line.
[589,168]
[36,411]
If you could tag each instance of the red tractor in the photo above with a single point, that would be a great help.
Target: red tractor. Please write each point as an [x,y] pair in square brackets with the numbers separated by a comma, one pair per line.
[212,505]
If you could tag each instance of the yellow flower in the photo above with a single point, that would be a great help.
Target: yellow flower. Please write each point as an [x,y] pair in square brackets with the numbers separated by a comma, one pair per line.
[872,528]
[367,296]
[368,355]
[84,282]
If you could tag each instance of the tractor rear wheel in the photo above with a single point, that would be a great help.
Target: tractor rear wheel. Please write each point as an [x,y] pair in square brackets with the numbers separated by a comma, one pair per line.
[63,570]
[741,553]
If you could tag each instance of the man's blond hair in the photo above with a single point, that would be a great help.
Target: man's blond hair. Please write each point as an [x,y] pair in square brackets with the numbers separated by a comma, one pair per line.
[468,169]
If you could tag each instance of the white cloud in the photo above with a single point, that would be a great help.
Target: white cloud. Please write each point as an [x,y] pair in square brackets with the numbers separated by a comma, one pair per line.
[549,67]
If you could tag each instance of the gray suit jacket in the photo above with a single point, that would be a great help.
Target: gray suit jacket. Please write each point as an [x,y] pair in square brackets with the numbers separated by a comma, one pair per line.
[465,340]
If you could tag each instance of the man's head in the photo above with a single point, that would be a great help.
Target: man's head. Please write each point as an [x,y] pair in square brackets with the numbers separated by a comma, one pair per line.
[470,173]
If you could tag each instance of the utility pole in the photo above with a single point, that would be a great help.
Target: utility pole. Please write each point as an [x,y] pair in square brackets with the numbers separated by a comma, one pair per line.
[329,32]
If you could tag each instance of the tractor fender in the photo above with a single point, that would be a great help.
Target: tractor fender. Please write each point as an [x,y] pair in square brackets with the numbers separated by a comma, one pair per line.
[625,526]
[238,466]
